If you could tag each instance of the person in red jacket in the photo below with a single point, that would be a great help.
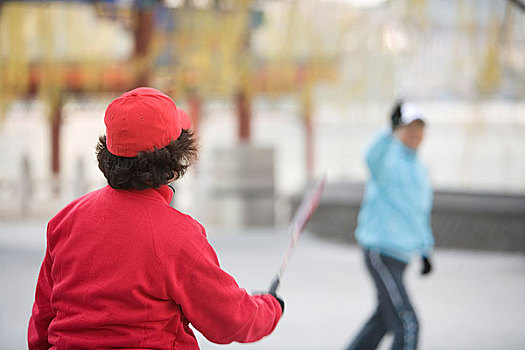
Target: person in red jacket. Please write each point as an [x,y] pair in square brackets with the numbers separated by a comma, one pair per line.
[122,268]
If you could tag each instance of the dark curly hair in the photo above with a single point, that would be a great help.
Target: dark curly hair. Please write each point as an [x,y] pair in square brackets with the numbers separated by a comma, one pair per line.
[150,169]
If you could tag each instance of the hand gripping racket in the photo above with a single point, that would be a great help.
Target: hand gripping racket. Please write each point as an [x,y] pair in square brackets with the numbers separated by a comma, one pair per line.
[302,215]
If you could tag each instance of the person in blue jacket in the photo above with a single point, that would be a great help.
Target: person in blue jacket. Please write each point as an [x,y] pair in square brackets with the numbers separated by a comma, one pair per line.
[394,226]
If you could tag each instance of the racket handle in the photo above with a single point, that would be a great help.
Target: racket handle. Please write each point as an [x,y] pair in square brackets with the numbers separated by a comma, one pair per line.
[274,285]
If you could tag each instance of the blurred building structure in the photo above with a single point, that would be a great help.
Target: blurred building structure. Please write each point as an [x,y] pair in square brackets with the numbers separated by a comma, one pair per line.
[311,80]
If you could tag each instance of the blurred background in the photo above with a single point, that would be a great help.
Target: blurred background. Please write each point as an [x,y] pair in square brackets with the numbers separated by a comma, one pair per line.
[281,92]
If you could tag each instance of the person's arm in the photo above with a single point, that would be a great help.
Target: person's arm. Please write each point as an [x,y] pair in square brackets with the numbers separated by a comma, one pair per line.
[42,313]
[217,307]
[428,240]
[376,152]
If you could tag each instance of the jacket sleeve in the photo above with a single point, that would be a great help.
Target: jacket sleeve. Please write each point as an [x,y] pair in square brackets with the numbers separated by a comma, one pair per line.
[42,313]
[375,154]
[428,237]
[428,244]
[218,308]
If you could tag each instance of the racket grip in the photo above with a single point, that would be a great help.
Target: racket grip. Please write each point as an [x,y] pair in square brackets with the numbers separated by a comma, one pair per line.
[274,285]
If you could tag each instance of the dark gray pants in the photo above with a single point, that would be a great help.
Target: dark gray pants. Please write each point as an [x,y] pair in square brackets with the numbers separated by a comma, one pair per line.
[394,312]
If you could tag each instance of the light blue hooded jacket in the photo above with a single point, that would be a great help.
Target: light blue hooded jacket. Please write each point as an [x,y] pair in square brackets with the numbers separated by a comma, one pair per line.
[395,214]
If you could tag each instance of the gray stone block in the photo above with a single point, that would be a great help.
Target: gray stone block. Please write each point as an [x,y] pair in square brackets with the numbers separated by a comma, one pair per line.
[243,188]
[460,220]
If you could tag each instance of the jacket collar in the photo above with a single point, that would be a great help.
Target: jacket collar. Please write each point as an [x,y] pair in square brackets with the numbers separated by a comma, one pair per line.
[162,194]
[405,151]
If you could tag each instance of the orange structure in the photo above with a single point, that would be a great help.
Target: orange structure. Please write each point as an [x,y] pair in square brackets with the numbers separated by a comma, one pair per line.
[192,52]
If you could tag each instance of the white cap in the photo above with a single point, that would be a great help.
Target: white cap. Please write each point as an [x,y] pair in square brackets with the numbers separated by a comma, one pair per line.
[409,113]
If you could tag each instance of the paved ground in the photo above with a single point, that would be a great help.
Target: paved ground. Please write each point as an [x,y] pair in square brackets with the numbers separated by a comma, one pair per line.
[472,301]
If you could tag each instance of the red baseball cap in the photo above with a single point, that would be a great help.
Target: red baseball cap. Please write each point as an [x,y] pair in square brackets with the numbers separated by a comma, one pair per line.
[141,120]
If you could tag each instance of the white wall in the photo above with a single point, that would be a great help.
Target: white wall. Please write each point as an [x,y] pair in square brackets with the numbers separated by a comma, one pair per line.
[468,146]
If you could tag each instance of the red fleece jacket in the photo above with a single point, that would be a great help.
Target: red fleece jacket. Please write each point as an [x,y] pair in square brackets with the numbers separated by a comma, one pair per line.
[123,269]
